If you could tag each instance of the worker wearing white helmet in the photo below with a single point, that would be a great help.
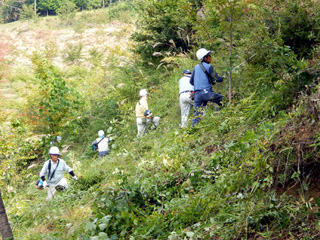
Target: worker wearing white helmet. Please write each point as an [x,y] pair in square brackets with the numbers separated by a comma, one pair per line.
[53,169]
[101,144]
[143,114]
[203,78]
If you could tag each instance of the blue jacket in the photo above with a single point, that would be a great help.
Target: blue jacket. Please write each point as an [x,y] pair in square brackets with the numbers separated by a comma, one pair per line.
[200,80]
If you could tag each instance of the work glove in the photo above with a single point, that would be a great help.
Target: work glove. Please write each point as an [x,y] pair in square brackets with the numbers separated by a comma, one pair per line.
[75,178]
[45,184]
[39,184]
[226,74]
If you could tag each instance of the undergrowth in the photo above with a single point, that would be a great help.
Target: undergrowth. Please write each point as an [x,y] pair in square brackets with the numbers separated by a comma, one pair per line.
[244,172]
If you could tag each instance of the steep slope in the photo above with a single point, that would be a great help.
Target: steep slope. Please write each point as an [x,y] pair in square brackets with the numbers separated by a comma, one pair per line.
[21,39]
[243,173]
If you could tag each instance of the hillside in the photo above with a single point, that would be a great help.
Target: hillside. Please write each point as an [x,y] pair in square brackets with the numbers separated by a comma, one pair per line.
[248,171]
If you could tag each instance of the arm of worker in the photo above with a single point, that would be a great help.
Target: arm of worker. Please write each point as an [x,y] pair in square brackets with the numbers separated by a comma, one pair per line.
[149,116]
[218,78]
[192,78]
[213,73]
[44,171]
[73,175]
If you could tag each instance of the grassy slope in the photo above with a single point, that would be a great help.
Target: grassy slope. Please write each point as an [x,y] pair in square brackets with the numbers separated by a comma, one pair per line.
[29,221]
[213,180]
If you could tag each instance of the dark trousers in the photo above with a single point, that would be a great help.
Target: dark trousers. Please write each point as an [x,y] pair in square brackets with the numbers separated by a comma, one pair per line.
[102,154]
[201,99]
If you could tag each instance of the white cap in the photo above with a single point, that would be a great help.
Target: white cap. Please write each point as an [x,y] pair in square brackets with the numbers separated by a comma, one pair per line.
[54,151]
[143,92]
[100,133]
[202,52]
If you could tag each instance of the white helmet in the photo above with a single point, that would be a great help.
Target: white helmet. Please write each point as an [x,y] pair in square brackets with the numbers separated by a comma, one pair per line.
[100,133]
[54,151]
[143,92]
[202,52]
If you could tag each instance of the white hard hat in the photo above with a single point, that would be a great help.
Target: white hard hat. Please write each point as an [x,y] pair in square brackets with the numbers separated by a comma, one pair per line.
[54,151]
[202,52]
[100,133]
[143,92]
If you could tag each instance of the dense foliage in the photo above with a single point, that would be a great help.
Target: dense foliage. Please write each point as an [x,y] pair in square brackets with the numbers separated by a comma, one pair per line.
[165,28]
[12,10]
[57,104]
[249,171]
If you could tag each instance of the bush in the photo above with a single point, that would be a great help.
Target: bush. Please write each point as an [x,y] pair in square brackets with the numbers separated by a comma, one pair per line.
[73,53]
[164,28]
[57,102]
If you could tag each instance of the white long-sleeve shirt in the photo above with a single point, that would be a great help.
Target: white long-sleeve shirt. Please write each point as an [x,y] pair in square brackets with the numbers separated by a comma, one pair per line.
[58,175]
[103,146]
[184,84]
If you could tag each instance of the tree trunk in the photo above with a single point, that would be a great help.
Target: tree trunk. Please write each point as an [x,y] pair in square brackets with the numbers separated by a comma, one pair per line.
[35,7]
[5,229]
[230,56]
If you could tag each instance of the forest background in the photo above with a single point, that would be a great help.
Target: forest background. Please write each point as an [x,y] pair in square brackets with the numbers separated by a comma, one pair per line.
[249,171]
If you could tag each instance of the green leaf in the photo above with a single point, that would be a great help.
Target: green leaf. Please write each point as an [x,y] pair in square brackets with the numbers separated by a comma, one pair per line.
[90,226]
[102,226]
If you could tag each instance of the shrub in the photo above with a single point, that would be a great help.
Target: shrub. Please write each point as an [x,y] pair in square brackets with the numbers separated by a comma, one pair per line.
[57,103]
[163,28]
[73,53]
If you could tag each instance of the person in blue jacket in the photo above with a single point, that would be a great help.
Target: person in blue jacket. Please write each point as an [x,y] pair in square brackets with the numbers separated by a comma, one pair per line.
[202,78]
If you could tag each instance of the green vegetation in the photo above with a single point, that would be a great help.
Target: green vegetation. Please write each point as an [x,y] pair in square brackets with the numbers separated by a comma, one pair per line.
[249,171]
[13,10]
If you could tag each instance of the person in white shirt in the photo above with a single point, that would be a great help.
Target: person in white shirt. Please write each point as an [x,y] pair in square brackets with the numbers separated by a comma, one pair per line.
[143,114]
[102,144]
[54,169]
[185,89]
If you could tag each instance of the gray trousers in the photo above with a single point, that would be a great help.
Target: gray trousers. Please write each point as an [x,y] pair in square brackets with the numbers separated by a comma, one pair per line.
[142,124]
[185,105]
[51,190]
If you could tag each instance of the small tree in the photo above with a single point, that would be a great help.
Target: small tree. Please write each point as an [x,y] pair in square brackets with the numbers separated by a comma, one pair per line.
[221,26]
[57,102]
[230,14]
[5,228]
